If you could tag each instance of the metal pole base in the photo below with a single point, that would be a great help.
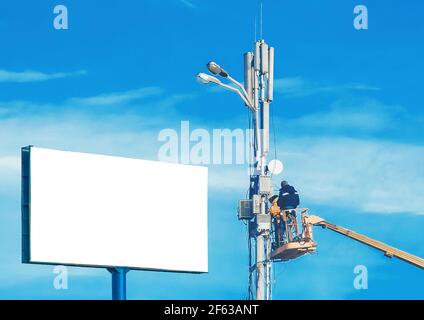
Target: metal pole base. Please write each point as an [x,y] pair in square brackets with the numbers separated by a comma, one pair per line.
[119,283]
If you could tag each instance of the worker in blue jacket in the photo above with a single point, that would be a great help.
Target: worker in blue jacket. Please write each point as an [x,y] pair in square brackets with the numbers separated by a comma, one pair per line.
[288,198]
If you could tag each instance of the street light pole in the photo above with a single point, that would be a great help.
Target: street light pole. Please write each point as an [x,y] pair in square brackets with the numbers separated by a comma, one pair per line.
[257,94]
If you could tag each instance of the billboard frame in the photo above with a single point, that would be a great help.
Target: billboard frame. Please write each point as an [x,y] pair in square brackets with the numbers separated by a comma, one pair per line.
[26,226]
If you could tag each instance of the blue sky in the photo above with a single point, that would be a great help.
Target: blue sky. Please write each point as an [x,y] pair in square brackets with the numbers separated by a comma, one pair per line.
[348,126]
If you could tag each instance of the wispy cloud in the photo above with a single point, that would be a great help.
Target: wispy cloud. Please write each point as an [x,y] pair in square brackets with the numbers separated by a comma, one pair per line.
[87,124]
[348,160]
[187,3]
[338,159]
[116,98]
[190,4]
[368,176]
[35,76]
[137,101]
[299,87]
[368,115]
[355,173]
[9,173]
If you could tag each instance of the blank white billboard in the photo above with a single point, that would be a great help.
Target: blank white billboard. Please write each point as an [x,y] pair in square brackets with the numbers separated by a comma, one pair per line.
[94,210]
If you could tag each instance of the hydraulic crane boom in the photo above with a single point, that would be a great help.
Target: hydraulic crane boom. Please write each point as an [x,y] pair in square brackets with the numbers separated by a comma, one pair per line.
[387,250]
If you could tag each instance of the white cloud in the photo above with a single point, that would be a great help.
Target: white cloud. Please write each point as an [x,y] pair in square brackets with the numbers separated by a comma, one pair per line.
[78,133]
[117,98]
[190,4]
[187,3]
[229,177]
[368,176]
[72,126]
[9,163]
[299,87]
[137,102]
[118,134]
[363,175]
[369,115]
[9,173]
[34,76]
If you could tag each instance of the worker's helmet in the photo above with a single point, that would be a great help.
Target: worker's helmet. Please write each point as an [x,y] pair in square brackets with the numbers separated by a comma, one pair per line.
[284,183]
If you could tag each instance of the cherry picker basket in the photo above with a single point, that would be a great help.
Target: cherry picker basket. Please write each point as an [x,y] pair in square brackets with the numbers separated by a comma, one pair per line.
[288,241]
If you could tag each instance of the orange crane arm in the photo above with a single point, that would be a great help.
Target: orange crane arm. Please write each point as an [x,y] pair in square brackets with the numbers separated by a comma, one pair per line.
[388,250]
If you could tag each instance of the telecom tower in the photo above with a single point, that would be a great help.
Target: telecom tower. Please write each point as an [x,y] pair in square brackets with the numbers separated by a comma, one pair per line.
[257,94]
[258,82]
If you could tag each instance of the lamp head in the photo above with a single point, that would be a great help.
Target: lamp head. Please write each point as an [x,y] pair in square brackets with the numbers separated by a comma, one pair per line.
[206,79]
[216,69]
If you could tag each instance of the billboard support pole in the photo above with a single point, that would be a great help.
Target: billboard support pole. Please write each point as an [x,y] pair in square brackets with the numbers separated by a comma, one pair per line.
[119,283]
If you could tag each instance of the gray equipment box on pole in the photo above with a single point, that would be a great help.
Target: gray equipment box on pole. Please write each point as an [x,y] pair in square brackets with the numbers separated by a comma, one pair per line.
[256,204]
[245,210]
[263,221]
[265,185]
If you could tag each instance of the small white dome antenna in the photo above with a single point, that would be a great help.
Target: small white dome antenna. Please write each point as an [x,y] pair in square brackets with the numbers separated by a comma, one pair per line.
[275,167]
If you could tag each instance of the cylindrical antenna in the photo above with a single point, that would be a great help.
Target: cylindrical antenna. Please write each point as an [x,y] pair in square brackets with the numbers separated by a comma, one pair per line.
[271,75]
[265,130]
[248,74]
[257,56]
[264,58]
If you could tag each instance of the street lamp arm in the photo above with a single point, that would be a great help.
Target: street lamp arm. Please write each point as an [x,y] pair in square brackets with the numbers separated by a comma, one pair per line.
[245,99]
[238,84]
